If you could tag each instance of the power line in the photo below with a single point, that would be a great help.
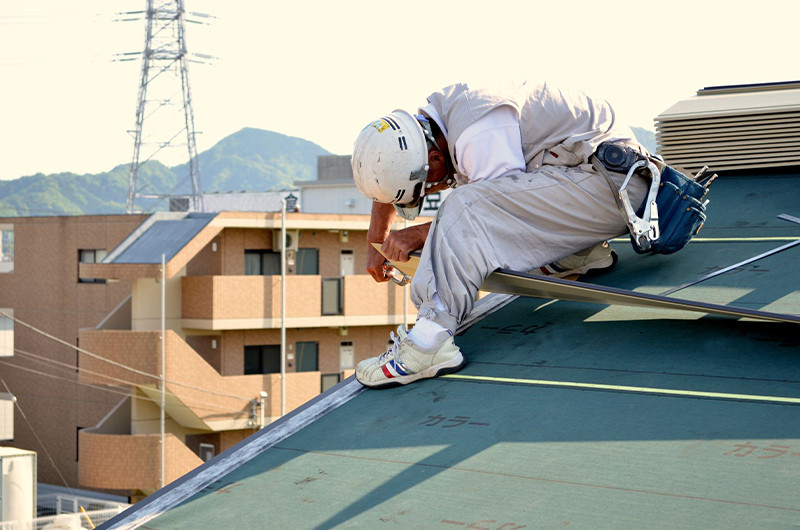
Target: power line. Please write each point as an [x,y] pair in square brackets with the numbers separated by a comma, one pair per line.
[111,390]
[53,376]
[66,366]
[118,365]
[36,435]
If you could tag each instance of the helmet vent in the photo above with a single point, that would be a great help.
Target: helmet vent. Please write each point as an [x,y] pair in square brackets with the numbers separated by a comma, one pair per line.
[403,144]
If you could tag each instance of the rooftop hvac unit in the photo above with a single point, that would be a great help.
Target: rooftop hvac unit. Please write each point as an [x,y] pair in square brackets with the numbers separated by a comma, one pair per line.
[179,204]
[292,238]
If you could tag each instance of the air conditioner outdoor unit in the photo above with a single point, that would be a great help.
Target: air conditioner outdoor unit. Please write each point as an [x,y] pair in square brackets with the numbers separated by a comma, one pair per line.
[292,238]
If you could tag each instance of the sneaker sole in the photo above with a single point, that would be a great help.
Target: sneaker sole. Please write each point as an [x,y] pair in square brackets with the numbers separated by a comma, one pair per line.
[596,266]
[449,367]
[599,266]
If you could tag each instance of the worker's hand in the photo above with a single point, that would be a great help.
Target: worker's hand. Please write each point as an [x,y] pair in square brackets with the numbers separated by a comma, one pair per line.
[375,263]
[396,247]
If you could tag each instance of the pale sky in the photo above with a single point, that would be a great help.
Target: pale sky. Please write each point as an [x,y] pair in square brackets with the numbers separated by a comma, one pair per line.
[320,70]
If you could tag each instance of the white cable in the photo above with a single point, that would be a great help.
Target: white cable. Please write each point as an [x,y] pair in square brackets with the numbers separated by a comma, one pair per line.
[44,447]
[105,389]
[53,376]
[114,363]
[41,359]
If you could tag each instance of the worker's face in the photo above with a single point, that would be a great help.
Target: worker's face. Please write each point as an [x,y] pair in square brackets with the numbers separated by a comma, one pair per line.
[438,168]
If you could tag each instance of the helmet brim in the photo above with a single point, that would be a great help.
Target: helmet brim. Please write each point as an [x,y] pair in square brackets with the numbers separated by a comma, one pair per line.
[409,211]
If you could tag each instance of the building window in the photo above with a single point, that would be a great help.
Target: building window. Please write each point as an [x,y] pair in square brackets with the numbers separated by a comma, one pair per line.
[91,256]
[6,417]
[262,262]
[206,451]
[329,380]
[78,443]
[347,355]
[347,262]
[6,248]
[307,356]
[308,261]
[262,359]
[332,296]
[6,332]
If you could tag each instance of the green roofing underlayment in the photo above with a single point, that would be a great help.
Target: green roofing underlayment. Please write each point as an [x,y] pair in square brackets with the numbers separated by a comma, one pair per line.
[569,415]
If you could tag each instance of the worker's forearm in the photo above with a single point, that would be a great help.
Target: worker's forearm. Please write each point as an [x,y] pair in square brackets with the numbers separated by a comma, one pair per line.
[380,222]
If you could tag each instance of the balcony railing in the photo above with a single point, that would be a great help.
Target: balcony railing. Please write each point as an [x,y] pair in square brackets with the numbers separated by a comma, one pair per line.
[252,302]
[238,297]
[132,462]
[199,396]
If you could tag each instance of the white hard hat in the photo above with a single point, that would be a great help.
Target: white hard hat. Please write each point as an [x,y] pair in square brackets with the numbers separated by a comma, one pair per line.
[390,162]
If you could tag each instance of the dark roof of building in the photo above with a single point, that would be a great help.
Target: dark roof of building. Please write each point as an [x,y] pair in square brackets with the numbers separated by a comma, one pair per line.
[569,414]
[165,237]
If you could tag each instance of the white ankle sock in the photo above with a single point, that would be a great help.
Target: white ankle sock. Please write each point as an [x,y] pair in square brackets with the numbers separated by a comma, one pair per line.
[428,335]
[439,304]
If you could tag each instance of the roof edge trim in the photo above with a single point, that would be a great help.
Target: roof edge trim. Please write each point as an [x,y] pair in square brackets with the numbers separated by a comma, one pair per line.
[199,478]
[211,471]
[753,87]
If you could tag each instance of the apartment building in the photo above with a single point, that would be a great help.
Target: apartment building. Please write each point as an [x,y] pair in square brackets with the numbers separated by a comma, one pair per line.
[41,287]
[89,337]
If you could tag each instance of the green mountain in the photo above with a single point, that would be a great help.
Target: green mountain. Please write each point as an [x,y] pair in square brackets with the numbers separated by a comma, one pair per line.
[257,160]
[248,160]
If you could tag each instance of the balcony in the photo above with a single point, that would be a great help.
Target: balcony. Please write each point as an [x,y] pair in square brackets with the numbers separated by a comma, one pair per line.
[254,302]
[197,396]
[132,462]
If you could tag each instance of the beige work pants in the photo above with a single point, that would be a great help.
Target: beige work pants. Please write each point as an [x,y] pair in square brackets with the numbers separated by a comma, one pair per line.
[518,222]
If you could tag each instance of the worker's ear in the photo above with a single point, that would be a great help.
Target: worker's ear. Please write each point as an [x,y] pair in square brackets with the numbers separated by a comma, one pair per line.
[436,157]
[438,165]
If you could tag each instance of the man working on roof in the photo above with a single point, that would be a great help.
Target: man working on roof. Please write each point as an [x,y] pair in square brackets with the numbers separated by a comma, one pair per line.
[526,197]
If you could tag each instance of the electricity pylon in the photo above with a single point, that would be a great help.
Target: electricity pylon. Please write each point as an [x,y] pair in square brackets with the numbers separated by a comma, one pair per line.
[164,112]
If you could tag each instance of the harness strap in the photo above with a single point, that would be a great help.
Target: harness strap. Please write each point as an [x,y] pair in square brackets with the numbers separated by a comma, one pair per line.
[600,168]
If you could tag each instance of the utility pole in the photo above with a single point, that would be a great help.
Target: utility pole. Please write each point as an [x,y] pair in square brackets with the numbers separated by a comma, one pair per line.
[164,115]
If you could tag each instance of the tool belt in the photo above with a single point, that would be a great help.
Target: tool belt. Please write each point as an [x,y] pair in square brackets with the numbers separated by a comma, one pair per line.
[674,210]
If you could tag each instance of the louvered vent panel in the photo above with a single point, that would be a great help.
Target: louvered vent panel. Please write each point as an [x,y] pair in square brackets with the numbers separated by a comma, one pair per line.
[733,128]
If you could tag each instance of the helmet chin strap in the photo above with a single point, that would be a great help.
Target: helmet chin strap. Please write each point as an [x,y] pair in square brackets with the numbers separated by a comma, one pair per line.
[426,130]
[411,210]
[449,180]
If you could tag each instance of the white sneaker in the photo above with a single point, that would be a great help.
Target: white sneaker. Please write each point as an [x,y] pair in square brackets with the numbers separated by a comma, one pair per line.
[403,363]
[597,258]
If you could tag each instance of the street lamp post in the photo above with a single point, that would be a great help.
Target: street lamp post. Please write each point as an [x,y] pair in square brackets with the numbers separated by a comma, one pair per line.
[283,306]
